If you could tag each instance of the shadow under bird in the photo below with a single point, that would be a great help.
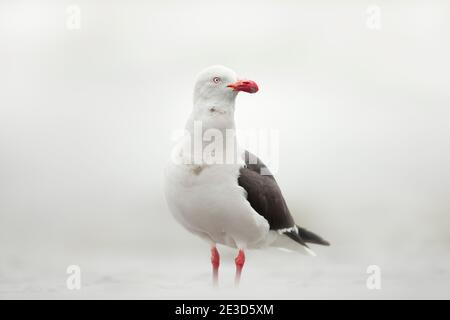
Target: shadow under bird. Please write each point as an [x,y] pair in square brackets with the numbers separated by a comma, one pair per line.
[235,203]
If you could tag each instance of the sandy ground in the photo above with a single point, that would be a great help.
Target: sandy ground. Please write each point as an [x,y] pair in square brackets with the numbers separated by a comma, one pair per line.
[268,275]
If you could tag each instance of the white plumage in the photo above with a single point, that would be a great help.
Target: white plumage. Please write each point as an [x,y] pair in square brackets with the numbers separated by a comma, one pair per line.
[202,187]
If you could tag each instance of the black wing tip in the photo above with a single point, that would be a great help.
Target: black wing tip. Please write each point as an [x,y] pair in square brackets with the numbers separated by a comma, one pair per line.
[296,237]
[311,237]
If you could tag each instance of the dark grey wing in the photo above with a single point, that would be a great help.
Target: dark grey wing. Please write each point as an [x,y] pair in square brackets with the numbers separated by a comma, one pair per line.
[264,194]
[265,197]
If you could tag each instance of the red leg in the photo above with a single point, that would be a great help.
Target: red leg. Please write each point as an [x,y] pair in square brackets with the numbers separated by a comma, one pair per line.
[215,261]
[239,260]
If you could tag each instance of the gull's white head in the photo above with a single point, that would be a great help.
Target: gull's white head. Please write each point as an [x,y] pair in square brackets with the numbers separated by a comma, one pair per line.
[219,86]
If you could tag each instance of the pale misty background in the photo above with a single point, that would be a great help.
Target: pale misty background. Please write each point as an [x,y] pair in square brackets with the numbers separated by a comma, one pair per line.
[86,119]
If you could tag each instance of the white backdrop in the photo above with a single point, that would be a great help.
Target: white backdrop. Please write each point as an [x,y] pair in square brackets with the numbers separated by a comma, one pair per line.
[86,117]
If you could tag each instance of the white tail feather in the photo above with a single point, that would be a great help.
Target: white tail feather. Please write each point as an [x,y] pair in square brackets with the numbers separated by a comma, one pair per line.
[285,243]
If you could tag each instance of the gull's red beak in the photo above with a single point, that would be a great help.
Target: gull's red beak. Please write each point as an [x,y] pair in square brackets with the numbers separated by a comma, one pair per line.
[244,85]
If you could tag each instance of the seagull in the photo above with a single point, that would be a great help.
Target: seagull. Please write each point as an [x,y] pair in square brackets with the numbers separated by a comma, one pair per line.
[220,192]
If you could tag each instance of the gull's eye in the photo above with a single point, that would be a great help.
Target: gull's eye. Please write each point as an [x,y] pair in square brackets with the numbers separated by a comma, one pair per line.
[216,79]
